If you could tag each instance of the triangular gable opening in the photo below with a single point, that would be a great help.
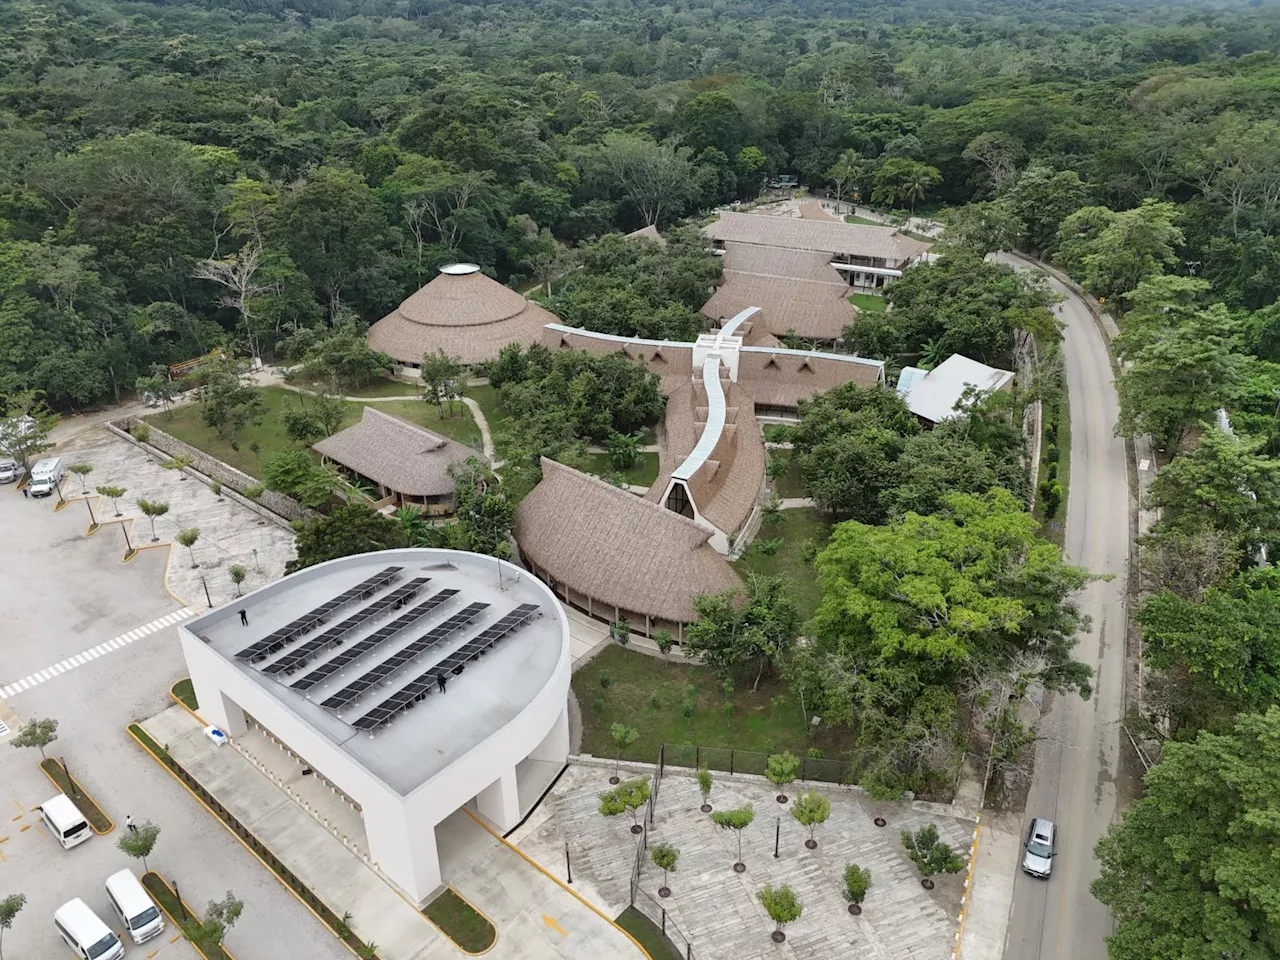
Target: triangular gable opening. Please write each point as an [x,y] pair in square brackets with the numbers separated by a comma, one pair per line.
[772,362]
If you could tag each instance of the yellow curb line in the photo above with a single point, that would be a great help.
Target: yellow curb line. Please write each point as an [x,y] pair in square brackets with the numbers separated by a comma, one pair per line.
[558,882]
[84,793]
[455,943]
[968,887]
[174,920]
[176,699]
[164,766]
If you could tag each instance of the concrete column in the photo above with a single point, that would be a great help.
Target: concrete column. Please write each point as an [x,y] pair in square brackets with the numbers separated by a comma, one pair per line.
[499,803]
[554,747]
[233,723]
[403,848]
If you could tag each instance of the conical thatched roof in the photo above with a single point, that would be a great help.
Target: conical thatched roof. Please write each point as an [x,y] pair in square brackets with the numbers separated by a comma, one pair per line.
[462,312]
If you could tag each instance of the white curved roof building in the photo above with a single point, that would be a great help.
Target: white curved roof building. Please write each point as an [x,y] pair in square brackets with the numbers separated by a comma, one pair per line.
[413,681]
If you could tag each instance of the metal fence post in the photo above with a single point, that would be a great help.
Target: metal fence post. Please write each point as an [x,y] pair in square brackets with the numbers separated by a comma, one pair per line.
[568,867]
[731,763]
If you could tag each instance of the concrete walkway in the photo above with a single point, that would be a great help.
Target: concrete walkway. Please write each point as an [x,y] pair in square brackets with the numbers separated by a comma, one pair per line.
[537,917]
[794,503]
[336,875]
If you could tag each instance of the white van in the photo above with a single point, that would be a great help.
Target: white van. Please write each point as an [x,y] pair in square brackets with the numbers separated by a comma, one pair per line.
[45,475]
[66,821]
[134,907]
[85,933]
[9,470]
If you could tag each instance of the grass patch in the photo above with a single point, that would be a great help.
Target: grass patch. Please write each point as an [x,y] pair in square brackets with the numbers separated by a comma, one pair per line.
[461,922]
[337,925]
[185,424]
[651,938]
[190,924]
[461,426]
[852,218]
[868,302]
[648,694]
[789,484]
[803,532]
[185,692]
[375,389]
[1054,528]
[486,397]
[642,476]
[100,822]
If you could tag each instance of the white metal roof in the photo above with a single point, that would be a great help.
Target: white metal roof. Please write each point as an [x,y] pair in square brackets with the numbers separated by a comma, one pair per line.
[934,396]
[715,421]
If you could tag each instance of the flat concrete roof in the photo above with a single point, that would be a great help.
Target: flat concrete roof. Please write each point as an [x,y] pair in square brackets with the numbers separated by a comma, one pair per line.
[424,739]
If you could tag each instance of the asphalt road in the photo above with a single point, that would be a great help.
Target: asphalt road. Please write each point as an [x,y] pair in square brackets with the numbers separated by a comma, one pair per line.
[1077,761]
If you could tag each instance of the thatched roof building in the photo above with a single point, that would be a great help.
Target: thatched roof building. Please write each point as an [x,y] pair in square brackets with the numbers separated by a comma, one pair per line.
[401,459]
[462,312]
[615,555]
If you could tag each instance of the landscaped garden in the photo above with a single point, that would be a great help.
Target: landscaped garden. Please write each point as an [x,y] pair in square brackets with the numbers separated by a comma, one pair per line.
[786,549]
[869,302]
[680,703]
[649,936]
[186,423]
[641,476]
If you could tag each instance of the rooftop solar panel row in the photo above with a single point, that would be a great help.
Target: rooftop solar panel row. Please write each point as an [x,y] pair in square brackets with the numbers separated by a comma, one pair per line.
[334,635]
[280,638]
[421,687]
[383,634]
[436,635]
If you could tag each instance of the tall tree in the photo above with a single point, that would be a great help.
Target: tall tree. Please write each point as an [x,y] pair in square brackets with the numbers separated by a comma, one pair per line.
[1190,870]
[349,529]
[755,627]
[655,177]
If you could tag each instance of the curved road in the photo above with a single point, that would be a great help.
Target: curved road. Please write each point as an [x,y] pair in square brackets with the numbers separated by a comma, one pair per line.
[1078,757]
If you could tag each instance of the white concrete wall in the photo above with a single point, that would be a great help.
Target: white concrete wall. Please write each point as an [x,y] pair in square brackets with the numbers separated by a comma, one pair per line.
[400,830]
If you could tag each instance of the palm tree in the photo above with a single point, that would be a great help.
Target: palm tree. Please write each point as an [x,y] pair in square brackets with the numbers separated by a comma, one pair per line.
[914,188]
[413,523]
[935,352]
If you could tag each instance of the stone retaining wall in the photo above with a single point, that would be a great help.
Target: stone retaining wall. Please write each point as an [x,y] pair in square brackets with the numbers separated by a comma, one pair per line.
[274,506]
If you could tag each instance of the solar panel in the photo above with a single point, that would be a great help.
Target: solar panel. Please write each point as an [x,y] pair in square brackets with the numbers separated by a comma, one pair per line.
[357,650]
[278,639]
[333,636]
[389,666]
[421,687]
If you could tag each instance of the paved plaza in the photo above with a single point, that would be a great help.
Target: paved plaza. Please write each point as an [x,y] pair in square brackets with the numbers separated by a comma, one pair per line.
[718,910]
[230,533]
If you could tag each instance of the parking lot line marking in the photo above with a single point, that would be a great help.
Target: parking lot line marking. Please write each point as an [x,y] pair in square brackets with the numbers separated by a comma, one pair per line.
[16,819]
[40,830]
[80,659]
[151,955]
[18,803]
[3,858]
[175,939]
[25,826]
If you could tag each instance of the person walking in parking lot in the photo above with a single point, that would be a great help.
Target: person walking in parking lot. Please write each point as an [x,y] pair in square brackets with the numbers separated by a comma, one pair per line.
[129,824]
[26,493]
[244,619]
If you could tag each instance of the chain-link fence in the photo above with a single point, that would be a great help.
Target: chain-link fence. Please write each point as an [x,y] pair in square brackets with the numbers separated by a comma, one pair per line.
[728,760]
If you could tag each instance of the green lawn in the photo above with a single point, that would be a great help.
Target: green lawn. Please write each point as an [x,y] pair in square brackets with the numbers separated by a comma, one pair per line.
[648,694]
[487,398]
[643,929]
[461,426]
[641,476]
[460,921]
[185,424]
[802,531]
[788,484]
[868,302]
[185,692]
[851,218]
[385,387]
[100,822]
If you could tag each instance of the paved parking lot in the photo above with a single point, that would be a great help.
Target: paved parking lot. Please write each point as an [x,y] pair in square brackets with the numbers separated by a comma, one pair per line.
[62,594]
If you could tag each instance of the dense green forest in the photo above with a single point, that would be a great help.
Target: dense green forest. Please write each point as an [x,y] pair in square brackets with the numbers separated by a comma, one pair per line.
[176,176]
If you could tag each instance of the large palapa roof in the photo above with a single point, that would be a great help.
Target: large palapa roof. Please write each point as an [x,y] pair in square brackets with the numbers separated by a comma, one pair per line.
[617,548]
[462,312]
[400,456]
[846,239]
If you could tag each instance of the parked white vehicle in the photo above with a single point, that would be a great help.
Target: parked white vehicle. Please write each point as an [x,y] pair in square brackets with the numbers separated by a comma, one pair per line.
[136,910]
[10,470]
[85,933]
[45,476]
[64,819]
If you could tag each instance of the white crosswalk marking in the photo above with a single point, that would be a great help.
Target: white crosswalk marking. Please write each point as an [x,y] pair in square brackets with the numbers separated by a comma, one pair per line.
[80,659]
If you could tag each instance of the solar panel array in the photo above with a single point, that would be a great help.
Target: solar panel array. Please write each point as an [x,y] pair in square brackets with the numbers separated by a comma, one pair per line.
[420,688]
[333,636]
[357,650]
[389,666]
[279,639]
